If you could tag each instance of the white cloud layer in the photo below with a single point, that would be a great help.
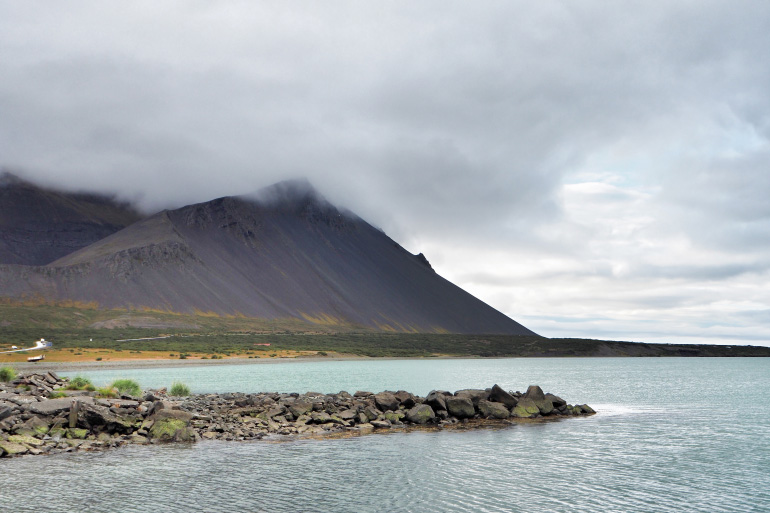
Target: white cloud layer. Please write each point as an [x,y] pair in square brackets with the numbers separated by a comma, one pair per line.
[590,169]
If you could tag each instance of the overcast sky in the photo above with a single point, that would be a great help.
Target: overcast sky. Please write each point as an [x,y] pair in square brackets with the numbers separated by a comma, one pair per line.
[592,169]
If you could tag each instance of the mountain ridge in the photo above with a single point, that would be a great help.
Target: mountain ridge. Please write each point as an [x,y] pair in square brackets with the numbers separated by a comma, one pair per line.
[284,251]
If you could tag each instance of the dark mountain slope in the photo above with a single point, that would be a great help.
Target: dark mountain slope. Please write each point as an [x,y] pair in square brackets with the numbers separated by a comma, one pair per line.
[286,252]
[39,225]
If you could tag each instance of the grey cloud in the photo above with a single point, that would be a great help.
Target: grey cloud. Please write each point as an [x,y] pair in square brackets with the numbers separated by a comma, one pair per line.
[448,122]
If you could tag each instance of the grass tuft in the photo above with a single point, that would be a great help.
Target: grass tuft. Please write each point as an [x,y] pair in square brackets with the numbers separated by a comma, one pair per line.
[7,373]
[107,392]
[127,386]
[179,389]
[80,383]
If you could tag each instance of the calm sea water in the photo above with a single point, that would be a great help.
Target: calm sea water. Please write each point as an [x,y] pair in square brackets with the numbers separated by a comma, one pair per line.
[671,435]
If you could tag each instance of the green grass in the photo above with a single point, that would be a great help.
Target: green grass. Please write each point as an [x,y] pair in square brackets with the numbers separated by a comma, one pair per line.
[179,389]
[56,394]
[7,373]
[127,386]
[80,383]
[107,392]
[72,327]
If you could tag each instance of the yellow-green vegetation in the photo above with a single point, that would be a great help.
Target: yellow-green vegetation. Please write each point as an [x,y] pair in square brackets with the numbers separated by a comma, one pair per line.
[106,392]
[80,383]
[179,389]
[56,394]
[7,373]
[127,386]
[85,328]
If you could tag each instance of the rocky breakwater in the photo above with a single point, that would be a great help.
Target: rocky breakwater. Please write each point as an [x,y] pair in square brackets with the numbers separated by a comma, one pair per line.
[39,416]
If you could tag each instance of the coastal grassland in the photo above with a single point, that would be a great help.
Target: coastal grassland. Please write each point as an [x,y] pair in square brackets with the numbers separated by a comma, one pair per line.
[81,333]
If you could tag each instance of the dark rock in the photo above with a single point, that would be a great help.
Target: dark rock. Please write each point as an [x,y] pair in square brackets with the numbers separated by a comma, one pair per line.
[386,401]
[493,410]
[474,395]
[5,412]
[405,398]
[460,407]
[420,414]
[320,417]
[557,401]
[172,430]
[498,395]
[535,393]
[56,406]
[361,393]
[98,418]
[526,408]
[436,399]
[587,409]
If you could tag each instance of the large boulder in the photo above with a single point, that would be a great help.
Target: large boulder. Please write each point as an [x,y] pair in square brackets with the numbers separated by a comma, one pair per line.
[460,407]
[386,401]
[536,395]
[34,426]
[299,408]
[420,414]
[526,408]
[475,395]
[172,430]
[57,406]
[557,401]
[405,398]
[498,395]
[12,448]
[99,419]
[492,410]
[436,399]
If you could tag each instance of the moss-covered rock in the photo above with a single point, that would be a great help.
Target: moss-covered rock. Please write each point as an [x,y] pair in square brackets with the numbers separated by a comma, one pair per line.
[8,448]
[460,407]
[172,430]
[393,416]
[526,408]
[420,414]
[493,410]
[26,440]
[77,433]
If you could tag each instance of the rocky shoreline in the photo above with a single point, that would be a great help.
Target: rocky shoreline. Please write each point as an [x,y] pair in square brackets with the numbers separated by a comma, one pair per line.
[33,420]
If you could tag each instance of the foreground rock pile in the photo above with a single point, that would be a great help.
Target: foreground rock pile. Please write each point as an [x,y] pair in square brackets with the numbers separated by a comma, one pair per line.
[31,422]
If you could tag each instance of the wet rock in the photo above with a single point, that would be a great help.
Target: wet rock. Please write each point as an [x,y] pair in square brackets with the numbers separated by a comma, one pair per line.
[99,418]
[526,408]
[420,414]
[436,399]
[498,395]
[11,448]
[386,401]
[493,410]
[299,408]
[34,426]
[406,399]
[557,401]
[475,395]
[460,407]
[172,430]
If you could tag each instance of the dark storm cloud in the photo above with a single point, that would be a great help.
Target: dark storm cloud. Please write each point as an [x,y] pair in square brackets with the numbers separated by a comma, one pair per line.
[449,125]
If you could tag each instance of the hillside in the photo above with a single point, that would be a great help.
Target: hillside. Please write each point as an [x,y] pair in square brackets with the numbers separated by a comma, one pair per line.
[39,225]
[285,252]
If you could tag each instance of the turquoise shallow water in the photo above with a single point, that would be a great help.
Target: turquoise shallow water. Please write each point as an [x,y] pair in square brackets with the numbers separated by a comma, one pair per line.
[671,435]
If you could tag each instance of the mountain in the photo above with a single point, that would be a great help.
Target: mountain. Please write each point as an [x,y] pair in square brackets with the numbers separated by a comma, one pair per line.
[283,252]
[39,225]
